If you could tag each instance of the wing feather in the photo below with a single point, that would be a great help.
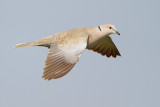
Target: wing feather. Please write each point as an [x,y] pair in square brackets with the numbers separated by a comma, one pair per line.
[104,46]
[60,60]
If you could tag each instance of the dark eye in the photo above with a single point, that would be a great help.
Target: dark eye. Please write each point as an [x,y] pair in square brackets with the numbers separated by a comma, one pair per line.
[110,27]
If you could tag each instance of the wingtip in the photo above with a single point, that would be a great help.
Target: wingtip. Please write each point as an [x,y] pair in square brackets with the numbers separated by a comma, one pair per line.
[46,79]
[117,55]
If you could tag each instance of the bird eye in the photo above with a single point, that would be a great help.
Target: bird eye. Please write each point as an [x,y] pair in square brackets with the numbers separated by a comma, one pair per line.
[110,27]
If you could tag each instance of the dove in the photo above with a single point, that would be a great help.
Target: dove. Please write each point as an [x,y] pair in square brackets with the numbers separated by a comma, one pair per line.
[65,48]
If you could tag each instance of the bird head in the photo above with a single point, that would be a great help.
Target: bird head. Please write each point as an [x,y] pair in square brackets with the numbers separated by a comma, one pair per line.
[108,29]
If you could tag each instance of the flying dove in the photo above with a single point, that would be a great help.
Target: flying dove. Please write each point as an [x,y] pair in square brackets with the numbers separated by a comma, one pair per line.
[65,48]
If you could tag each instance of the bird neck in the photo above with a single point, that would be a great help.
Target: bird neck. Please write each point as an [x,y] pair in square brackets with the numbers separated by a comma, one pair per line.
[95,34]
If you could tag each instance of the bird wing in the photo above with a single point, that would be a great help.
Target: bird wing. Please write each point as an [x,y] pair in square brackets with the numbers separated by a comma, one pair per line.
[61,59]
[105,46]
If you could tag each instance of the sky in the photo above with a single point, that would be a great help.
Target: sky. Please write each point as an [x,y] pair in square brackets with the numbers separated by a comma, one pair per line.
[132,80]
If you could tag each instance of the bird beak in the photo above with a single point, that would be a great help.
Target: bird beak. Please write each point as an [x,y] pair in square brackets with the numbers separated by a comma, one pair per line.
[117,32]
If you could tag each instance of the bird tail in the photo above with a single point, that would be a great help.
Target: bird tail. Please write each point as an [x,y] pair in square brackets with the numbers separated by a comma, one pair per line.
[46,42]
[26,44]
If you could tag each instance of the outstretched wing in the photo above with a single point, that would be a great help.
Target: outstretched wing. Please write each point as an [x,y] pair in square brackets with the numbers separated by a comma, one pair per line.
[105,46]
[61,59]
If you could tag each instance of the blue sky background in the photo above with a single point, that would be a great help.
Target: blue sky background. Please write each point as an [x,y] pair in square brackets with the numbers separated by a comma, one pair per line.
[132,80]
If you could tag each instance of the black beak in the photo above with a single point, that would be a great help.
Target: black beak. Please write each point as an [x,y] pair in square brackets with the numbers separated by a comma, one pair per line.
[117,32]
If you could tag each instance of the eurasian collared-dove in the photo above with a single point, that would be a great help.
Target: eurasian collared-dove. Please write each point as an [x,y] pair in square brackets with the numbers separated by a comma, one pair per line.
[65,48]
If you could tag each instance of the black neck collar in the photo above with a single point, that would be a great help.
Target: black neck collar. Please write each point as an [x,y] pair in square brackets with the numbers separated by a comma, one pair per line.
[99,28]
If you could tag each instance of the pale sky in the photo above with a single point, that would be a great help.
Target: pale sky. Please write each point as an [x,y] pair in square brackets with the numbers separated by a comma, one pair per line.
[132,80]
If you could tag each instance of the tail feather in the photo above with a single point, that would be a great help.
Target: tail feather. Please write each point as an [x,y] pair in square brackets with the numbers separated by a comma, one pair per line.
[43,42]
[25,45]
